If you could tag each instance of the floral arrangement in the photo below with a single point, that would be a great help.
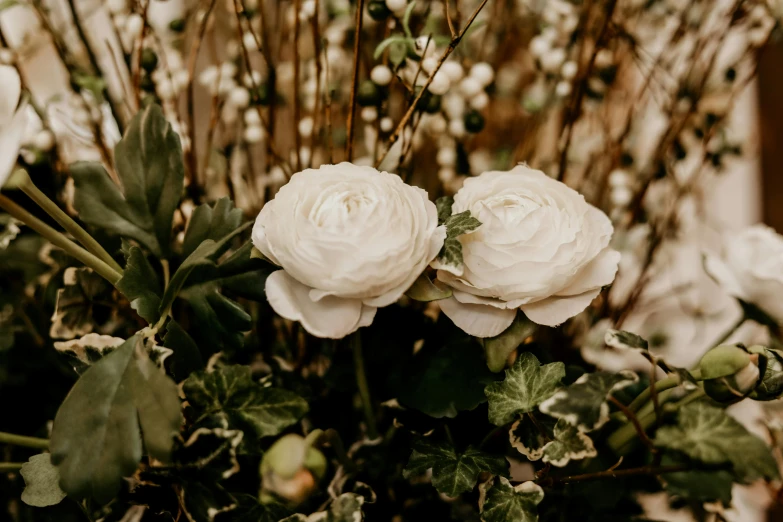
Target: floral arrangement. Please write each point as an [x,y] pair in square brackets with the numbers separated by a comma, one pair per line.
[331,260]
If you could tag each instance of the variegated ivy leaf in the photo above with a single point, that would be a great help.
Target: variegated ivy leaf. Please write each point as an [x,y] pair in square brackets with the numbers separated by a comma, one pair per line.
[214,448]
[503,502]
[450,256]
[230,394]
[345,508]
[41,482]
[203,502]
[623,340]
[708,434]
[85,295]
[89,349]
[444,205]
[527,384]
[529,438]
[453,472]
[583,403]
[568,444]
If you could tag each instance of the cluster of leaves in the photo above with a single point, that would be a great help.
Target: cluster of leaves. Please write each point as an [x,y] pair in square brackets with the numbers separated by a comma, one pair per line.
[187,387]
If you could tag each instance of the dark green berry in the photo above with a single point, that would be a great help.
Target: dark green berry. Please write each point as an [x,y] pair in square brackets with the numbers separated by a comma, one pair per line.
[147,84]
[368,94]
[149,60]
[378,10]
[474,122]
[433,104]
[261,96]
[731,74]
[177,25]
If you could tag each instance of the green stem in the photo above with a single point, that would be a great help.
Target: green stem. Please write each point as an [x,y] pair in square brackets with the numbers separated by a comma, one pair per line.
[664,384]
[59,240]
[21,440]
[362,384]
[10,466]
[65,221]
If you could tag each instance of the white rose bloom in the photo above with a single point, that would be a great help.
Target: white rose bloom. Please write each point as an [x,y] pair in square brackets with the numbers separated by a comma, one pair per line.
[540,248]
[751,268]
[350,239]
[13,120]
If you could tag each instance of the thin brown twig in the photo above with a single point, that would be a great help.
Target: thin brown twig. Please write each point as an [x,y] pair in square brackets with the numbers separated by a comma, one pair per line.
[450,49]
[318,73]
[355,82]
[139,53]
[297,101]
[453,33]
[635,421]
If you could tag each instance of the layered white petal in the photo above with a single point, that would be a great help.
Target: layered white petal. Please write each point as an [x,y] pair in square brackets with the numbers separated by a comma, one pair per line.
[11,136]
[330,317]
[10,92]
[718,270]
[477,319]
[553,311]
[598,272]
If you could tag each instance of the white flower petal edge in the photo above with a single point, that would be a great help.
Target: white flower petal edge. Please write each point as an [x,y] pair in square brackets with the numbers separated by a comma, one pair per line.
[329,317]
[557,310]
[477,320]
[13,120]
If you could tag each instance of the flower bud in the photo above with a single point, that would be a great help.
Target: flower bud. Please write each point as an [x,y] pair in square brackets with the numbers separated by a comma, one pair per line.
[771,368]
[291,468]
[729,372]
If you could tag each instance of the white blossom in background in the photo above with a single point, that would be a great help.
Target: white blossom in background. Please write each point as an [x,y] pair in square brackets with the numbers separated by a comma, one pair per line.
[13,120]
[540,248]
[349,239]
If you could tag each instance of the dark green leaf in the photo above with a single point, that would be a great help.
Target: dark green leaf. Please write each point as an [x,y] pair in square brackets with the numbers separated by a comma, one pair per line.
[186,357]
[450,256]
[506,503]
[529,438]
[708,434]
[698,486]
[211,222]
[527,384]
[220,321]
[453,472]
[625,340]
[446,382]
[95,439]
[42,482]
[77,301]
[583,404]
[497,349]
[229,393]
[444,205]
[149,164]
[139,283]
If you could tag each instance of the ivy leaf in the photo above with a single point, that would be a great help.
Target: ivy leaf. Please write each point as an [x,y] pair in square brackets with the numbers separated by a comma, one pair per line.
[345,508]
[568,444]
[87,350]
[709,435]
[139,283]
[506,503]
[212,450]
[453,473]
[41,481]
[443,383]
[424,290]
[583,403]
[529,438]
[211,222]
[498,348]
[84,296]
[698,485]
[623,340]
[96,440]
[149,164]
[230,394]
[202,503]
[253,511]
[444,205]
[450,256]
[527,384]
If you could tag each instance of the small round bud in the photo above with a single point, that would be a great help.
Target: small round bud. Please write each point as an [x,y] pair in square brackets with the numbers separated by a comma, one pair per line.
[563,88]
[254,134]
[621,196]
[553,59]
[729,372]
[771,368]
[396,6]
[369,114]
[386,124]
[470,87]
[239,97]
[440,83]
[378,10]
[480,101]
[568,70]
[453,70]
[134,25]
[433,104]
[149,60]
[457,128]
[539,45]
[474,122]
[368,94]
[252,118]
[483,73]
[305,127]
[618,178]
[44,140]
[446,157]
[381,75]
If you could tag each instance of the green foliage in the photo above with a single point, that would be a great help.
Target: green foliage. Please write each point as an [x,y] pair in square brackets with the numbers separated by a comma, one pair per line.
[78,303]
[229,396]
[497,349]
[625,340]
[41,481]
[527,384]
[708,434]
[139,283]
[149,164]
[211,222]
[583,404]
[506,503]
[446,382]
[453,472]
[96,438]
[345,508]
[450,255]
[697,485]
[529,437]
[567,444]
[423,289]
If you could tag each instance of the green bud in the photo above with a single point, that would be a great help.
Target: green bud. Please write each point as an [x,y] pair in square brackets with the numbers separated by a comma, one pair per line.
[291,468]
[771,369]
[177,25]
[378,10]
[723,361]
[285,457]
[368,94]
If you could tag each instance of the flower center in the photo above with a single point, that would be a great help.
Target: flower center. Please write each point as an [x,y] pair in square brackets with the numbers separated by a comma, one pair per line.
[342,210]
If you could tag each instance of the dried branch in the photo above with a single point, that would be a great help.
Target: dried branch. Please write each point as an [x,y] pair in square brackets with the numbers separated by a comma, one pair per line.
[355,83]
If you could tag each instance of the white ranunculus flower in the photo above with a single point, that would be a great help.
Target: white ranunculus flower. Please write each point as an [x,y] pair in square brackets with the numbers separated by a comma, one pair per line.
[350,239]
[751,268]
[541,248]
[13,120]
